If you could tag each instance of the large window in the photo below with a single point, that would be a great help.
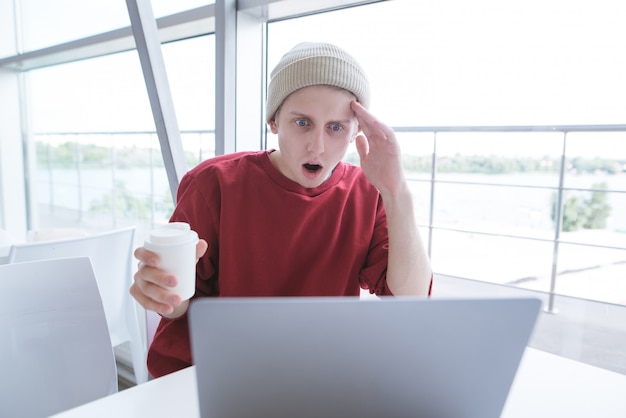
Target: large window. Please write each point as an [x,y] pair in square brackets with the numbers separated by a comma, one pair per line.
[493,211]
[511,119]
[44,23]
[98,162]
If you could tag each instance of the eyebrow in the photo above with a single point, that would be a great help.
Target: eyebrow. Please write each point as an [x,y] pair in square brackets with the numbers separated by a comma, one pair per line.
[305,116]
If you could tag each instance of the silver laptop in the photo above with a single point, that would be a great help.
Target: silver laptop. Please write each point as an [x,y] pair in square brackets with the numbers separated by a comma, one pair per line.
[345,357]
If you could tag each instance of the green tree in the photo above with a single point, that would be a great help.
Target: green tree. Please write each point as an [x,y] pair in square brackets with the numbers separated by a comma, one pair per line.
[598,210]
[578,213]
[123,203]
[573,213]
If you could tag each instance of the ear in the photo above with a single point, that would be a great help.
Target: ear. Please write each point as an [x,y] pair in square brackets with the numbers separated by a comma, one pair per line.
[273,126]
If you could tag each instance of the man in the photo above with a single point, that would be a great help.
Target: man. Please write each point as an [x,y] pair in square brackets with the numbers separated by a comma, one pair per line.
[296,221]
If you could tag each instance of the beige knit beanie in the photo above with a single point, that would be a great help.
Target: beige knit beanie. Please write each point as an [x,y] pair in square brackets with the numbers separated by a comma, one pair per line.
[310,64]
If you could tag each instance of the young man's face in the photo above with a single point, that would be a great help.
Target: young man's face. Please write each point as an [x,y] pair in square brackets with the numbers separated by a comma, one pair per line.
[315,125]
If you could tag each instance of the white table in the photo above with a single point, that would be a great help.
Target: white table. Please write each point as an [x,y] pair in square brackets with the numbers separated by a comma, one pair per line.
[551,386]
[545,386]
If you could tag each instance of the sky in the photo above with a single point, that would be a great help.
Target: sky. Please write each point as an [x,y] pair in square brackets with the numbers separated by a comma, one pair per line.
[430,63]
[482,62]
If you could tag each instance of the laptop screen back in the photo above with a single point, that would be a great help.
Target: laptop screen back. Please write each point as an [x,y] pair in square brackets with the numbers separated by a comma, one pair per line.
[342,357]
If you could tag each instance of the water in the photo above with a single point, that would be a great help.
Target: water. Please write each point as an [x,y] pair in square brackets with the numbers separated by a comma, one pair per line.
[490,206]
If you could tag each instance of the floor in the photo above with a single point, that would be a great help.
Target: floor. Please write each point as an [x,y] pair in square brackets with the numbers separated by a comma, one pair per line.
[584,330]
[124,379]
[123,383]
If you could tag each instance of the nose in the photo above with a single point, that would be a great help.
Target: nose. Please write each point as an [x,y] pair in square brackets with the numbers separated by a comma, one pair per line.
[315,144]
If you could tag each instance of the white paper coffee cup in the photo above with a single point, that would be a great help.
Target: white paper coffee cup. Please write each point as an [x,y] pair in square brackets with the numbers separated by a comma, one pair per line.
[175,243]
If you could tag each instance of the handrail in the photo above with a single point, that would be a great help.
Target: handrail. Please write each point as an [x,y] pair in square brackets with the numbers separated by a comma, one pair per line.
[433,179]
[408,129]
[514,128]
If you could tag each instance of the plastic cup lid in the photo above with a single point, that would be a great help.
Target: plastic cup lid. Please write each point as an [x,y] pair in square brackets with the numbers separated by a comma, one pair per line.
[172,233]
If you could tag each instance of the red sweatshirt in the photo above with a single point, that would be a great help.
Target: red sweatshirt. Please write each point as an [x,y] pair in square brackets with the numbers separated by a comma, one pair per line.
[269,236]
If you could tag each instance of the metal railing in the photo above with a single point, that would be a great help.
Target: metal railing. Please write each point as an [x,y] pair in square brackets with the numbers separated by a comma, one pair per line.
[205,143]
[556,240]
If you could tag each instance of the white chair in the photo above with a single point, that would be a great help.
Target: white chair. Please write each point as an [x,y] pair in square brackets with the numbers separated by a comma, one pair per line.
[6,240]
[111,254]
[50,234]
[55,350]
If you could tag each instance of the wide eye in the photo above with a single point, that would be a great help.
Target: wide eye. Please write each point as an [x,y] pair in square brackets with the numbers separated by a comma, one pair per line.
[302,122]
[335,127]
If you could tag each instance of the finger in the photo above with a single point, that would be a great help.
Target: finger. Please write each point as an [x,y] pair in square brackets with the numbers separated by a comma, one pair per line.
[362,146]
[146,257]
[154,286]
[155,276]
[150,304]
[201,248]
[365,118]
[371,127]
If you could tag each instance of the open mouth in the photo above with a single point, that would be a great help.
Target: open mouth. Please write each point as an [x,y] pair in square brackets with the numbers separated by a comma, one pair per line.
[312,168]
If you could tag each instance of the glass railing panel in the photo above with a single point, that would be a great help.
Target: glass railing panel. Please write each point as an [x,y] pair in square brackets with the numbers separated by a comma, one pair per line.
[495,259]
[101,181]
[420,191]
[594,198]
[495,209]
[595,273]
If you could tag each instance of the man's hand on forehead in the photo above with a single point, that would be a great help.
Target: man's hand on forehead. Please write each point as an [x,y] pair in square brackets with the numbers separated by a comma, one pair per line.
[379,152]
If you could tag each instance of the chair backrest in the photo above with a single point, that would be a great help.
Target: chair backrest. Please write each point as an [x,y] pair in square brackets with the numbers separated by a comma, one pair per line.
[55,350]
[111,257]
[6,241]
[49,234]
[111,254]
